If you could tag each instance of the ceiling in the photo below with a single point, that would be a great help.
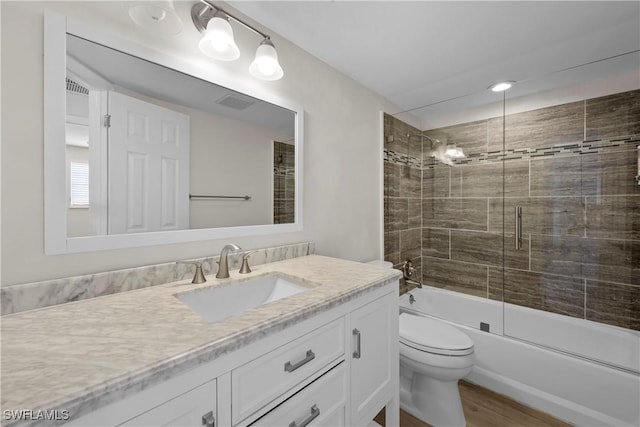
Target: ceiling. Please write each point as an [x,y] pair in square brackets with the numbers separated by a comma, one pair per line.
[421,53]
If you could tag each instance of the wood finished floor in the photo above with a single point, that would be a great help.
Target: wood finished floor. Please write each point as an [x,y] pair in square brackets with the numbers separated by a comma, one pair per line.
[485,408]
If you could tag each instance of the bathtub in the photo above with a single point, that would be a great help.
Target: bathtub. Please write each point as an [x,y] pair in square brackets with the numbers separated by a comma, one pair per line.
[582,372]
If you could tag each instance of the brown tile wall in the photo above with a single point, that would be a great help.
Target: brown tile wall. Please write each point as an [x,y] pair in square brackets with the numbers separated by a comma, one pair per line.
[402,193]
[283,183]
[570,167]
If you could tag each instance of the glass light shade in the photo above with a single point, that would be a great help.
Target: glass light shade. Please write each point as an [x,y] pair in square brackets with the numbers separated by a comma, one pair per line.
[265,66]
[159,18]
[218,42]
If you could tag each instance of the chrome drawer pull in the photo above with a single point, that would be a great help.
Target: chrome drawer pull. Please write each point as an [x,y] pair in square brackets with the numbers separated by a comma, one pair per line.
[314,414]
[208,420]
[288,367]
[357,354]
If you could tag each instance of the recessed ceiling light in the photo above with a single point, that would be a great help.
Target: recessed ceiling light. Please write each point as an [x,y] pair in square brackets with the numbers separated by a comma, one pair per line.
[502,86]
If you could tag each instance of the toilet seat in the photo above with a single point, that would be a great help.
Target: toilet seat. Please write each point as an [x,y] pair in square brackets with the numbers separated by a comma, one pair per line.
[433,336]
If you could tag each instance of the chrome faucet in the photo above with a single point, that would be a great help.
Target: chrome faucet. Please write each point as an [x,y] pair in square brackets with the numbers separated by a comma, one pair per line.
[223,269]
[407,271]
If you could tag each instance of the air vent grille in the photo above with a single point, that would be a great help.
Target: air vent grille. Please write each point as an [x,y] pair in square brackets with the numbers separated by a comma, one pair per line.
[75,87]
[234,102]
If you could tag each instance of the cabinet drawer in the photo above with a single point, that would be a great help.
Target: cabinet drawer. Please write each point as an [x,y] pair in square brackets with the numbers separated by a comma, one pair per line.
[321,403]
[262,380]
[188,409]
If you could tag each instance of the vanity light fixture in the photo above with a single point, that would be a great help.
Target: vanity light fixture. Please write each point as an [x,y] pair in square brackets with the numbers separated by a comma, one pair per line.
[502,86]
[218,42]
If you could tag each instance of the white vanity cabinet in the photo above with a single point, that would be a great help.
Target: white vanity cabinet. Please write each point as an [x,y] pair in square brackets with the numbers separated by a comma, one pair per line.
[336,368]
[374,359]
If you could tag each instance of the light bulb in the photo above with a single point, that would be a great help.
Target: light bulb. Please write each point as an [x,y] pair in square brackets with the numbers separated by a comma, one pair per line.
[502,86]
[219,44]
[220,33]
[267,66]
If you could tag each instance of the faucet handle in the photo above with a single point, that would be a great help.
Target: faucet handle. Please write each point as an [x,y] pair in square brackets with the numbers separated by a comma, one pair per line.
[198,276]
[244,269]
[408,269]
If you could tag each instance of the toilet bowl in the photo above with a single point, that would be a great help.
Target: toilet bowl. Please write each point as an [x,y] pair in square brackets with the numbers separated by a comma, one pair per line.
[434,356]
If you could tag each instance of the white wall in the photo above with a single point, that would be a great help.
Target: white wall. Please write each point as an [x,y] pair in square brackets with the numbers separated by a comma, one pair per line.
[229,157]
[342,151]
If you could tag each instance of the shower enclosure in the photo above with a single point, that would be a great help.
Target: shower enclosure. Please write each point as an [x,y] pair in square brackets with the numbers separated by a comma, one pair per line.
[542,216]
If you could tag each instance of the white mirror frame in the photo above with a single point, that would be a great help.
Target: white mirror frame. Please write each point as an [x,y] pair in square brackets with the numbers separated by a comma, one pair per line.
[56,27]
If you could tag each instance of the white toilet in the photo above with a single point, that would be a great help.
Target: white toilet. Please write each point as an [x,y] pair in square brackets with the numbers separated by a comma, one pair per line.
[434,356]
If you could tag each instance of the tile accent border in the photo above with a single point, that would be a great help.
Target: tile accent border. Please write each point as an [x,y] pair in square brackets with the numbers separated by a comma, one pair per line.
[401,159]
[557,150]
[29,296]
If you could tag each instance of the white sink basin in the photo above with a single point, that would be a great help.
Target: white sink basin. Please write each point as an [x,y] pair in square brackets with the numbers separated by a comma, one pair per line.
[220,302]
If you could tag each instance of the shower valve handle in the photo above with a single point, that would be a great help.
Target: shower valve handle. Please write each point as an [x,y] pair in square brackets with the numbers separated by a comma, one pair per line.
[407,269]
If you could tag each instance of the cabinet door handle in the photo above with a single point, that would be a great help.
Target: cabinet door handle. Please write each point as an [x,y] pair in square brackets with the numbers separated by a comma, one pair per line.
[289,367]
[208,420]
[357,354]
[315,412]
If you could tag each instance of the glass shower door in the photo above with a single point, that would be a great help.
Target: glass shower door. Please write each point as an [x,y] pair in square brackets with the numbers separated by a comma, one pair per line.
[572,281]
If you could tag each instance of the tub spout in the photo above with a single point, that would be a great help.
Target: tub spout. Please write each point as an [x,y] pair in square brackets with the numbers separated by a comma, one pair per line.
[414,283]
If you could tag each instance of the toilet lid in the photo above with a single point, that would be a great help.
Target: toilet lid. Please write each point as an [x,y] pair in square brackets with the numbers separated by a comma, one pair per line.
[433,336]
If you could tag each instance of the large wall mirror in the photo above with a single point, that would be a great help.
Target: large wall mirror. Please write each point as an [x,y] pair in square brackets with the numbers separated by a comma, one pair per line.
[143,149]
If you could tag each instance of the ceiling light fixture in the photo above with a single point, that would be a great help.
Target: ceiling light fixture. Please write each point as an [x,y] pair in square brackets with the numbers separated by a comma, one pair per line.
[217,41]
[502,86]
[158,17]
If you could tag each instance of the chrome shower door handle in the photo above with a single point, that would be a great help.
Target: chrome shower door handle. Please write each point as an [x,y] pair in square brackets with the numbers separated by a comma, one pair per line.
[518,228]
[357,353]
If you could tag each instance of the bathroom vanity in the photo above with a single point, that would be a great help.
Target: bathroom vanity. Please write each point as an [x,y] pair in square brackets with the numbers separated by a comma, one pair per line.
[326,355]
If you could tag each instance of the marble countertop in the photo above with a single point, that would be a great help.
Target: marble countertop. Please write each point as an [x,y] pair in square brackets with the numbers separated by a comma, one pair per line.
[76,355]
